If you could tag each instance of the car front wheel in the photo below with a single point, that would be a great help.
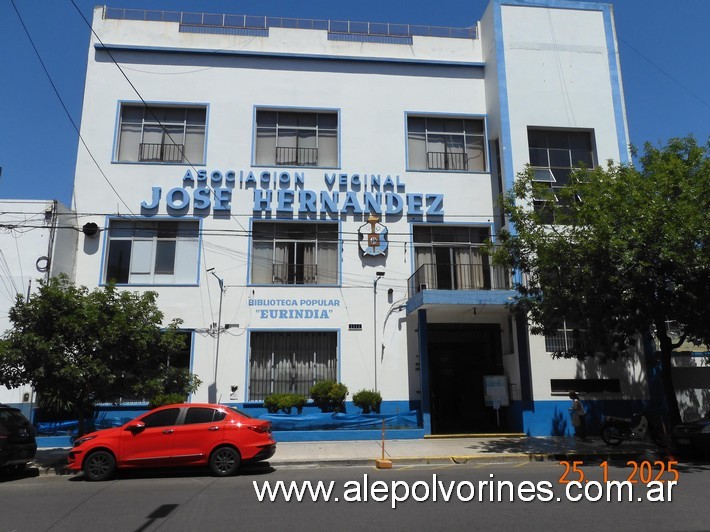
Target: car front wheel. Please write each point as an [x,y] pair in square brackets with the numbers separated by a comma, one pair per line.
[225,461]
[99,465]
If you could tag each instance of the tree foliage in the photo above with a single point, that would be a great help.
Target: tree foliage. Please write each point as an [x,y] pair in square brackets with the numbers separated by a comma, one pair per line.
[78,348]
[629,250]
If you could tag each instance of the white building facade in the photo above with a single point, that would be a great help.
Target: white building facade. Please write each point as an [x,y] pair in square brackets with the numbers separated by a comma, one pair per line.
[311,198]
[37,240]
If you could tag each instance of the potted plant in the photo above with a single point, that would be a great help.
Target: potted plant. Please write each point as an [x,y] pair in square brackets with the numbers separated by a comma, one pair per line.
[368,401]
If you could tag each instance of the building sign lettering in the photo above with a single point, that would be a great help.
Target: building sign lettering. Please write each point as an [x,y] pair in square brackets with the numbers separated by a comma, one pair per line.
[284,194]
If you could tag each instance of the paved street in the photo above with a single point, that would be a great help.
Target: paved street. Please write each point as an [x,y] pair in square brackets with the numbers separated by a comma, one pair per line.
[193,500]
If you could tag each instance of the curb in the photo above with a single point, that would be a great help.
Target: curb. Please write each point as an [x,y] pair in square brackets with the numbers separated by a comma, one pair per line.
[60,469]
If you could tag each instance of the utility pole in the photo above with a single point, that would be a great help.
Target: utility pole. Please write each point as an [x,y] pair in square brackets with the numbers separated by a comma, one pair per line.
[379,275]
[212,392]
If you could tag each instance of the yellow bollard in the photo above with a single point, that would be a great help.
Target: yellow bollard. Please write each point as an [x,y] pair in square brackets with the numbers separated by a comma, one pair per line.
[383,463]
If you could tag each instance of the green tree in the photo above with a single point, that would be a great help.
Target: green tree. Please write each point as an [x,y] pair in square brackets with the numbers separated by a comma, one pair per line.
[78,348]
[629,250]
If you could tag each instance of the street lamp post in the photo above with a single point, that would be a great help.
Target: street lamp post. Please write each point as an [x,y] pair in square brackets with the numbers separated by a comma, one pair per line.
[379,275]
[213,388]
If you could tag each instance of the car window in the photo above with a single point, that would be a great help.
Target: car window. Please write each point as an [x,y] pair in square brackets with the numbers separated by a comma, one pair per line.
[198,414]
[12,419]
[162,418]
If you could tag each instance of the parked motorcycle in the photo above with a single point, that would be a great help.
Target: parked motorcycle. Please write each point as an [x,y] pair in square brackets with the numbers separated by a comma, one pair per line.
[614,430]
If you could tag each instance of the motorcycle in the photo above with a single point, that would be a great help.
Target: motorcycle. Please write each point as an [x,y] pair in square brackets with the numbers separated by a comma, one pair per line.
[614,430]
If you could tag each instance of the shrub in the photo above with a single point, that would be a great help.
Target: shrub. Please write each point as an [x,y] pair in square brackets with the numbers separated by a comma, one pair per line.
[271,403]
[285,402]
[368,400]
[329,396]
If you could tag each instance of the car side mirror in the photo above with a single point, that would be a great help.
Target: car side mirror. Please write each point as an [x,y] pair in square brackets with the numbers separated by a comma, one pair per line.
[136,427]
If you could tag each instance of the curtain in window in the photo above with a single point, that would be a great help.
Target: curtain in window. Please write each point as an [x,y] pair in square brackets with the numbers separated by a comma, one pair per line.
[475,152]
[265,146]
[129,141]
[195,144]
[328,148]
[310,268]
[283,251]
[424,256]
[416,144]
[327,263]
[261,263]
[465,276]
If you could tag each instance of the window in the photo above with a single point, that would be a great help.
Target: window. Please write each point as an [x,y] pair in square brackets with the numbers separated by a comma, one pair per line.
[164,418]
[196,415]
[295,253]
[450,258]
[297,138]
[554,154]
[564,386]
[569,337]
[446,144]
[290,362]
[152,252]
[161,134]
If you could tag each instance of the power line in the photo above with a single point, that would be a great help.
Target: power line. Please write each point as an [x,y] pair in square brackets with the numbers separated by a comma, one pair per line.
[66,111]
[148,107]
[669,76]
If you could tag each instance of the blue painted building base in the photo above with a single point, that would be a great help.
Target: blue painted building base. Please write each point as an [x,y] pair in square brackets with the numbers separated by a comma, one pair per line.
[346,435]
[403,416]
[552,418]
[54,442]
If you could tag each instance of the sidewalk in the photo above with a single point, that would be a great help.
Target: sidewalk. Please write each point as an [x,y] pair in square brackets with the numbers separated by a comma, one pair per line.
[494,449]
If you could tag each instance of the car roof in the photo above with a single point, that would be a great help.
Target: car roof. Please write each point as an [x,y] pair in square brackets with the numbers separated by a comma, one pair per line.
[183,405]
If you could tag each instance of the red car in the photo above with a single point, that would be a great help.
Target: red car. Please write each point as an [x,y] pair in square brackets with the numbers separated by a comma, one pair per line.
[197,434]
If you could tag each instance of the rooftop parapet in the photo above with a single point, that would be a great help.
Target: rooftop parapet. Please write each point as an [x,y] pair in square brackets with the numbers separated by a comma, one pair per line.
[225,22]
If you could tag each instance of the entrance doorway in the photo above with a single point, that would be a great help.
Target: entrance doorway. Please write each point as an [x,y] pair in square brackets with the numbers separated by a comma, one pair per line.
[460,355]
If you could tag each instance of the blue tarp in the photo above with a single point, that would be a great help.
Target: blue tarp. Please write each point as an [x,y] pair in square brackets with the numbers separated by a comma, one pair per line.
[318,421]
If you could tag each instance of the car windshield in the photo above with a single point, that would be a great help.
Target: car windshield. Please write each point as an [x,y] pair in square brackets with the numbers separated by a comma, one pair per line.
[241,413]
[12,419]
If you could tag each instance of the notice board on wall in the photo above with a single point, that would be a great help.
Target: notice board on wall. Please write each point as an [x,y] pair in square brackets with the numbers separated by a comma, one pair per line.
[496,391]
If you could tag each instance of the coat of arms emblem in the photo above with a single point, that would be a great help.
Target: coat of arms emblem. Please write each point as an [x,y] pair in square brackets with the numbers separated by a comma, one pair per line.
[373,237]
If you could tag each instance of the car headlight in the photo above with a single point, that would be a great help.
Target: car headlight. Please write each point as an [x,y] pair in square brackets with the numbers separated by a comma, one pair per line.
[83,440]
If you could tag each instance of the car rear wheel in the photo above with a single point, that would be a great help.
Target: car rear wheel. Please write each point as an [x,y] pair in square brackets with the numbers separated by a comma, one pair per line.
[99,465]
[225,461]
[611,435]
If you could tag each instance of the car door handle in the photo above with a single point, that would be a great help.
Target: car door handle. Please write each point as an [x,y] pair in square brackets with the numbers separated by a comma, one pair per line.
[168,431]
[213,428]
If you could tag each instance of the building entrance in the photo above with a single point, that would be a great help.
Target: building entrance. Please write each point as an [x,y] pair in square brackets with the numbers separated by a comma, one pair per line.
[460,355]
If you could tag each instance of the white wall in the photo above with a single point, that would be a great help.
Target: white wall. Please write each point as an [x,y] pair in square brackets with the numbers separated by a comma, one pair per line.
[29,232]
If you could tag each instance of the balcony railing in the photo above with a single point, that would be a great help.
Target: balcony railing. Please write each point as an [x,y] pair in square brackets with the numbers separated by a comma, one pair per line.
[439,160]
[295,273]
[481,276]
[297,156]
[161,153]
[248,21]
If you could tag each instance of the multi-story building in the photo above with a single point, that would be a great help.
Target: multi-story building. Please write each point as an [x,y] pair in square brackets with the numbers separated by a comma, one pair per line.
[311,198]
[33,245]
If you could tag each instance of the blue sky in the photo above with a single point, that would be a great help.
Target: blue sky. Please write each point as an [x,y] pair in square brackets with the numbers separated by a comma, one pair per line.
[663,46]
